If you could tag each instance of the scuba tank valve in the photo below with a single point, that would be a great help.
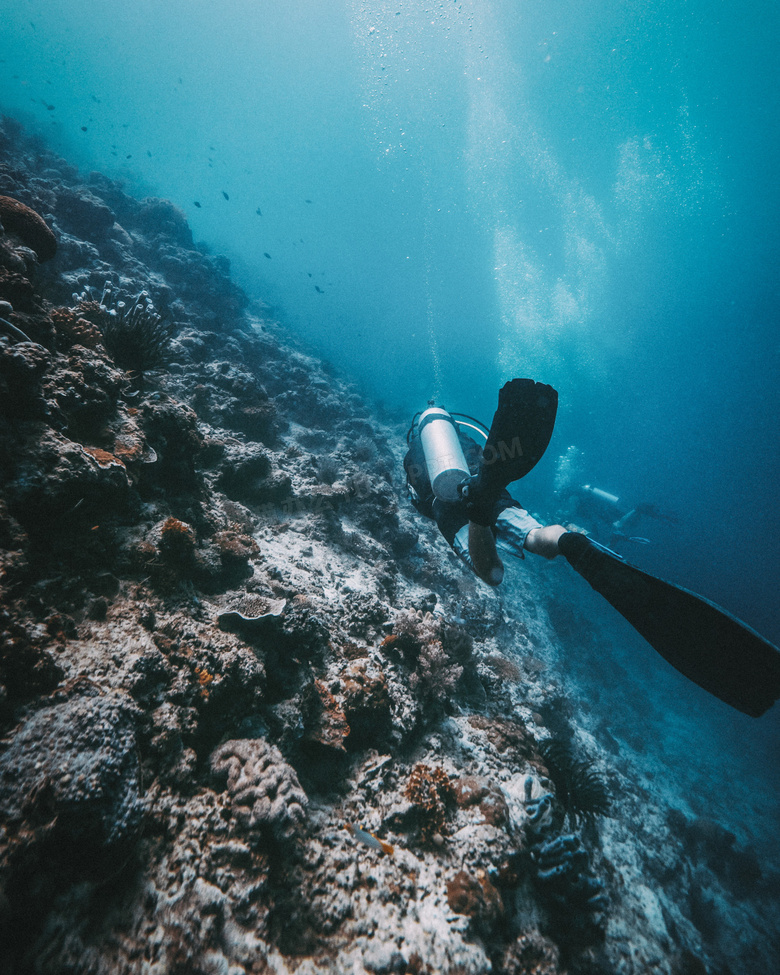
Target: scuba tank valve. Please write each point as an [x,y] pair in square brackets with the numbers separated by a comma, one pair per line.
[447,467]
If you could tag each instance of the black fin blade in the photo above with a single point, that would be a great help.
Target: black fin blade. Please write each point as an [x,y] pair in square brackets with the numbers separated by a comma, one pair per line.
[699,639]
[520,433]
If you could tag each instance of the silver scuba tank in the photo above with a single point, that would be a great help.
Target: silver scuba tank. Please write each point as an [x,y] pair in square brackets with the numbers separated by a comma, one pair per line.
[444,458]
[605,496]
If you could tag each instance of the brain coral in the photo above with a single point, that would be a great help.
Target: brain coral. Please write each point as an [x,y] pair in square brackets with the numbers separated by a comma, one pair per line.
[264,789]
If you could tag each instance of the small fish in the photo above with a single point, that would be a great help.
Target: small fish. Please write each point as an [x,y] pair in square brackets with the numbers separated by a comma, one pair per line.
[259,212]
[195,203]
[83,128]
[308,201]
[318,289]
[363,836]
[266,254]
[225,195]
[148,154]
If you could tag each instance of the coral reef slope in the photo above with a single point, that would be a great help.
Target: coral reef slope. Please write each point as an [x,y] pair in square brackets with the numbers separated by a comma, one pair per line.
[255,718]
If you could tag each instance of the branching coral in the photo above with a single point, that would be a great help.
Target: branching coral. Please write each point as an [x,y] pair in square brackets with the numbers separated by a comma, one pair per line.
[431,647]
[429,789]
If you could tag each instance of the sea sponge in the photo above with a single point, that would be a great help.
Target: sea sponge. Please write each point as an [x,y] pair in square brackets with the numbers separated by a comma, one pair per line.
[29,227]
[563,873]
[264,789]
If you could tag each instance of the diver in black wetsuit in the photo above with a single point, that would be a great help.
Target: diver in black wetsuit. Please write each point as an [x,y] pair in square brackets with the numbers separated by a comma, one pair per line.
[462,486]
[504,523]
[608,520]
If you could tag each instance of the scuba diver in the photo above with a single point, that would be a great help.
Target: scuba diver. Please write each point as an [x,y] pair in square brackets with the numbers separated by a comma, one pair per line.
[462,486]
[614,525]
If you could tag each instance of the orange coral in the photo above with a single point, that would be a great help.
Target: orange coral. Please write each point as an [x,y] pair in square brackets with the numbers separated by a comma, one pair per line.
[204,679]
[429,789]
[103,458]
[72,329]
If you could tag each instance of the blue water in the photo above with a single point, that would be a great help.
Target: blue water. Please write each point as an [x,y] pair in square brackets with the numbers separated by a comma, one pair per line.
[456,192]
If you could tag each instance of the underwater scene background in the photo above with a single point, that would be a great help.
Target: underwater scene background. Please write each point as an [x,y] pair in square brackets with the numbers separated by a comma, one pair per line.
[436,197]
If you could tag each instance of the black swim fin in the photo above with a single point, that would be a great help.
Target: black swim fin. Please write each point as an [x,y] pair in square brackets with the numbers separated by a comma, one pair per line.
[521,430]
[699,639]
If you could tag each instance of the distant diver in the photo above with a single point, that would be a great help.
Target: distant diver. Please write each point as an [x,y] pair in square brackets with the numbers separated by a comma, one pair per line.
[615,524]
[462,487]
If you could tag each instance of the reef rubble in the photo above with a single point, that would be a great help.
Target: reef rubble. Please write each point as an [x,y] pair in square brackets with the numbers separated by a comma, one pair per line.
[236,671]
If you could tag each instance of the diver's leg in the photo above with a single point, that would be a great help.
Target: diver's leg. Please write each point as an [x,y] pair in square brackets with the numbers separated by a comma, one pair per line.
[478,551]
[484,557]
[544,541]
[512,527]
[518,531]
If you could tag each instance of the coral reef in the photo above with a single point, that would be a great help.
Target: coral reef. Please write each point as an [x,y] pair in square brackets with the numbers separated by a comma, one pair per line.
[474,896]
[435,652]
[224,638]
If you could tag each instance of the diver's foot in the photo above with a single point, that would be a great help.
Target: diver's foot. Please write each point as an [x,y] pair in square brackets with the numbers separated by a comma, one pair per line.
[544,541]
[484,557]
